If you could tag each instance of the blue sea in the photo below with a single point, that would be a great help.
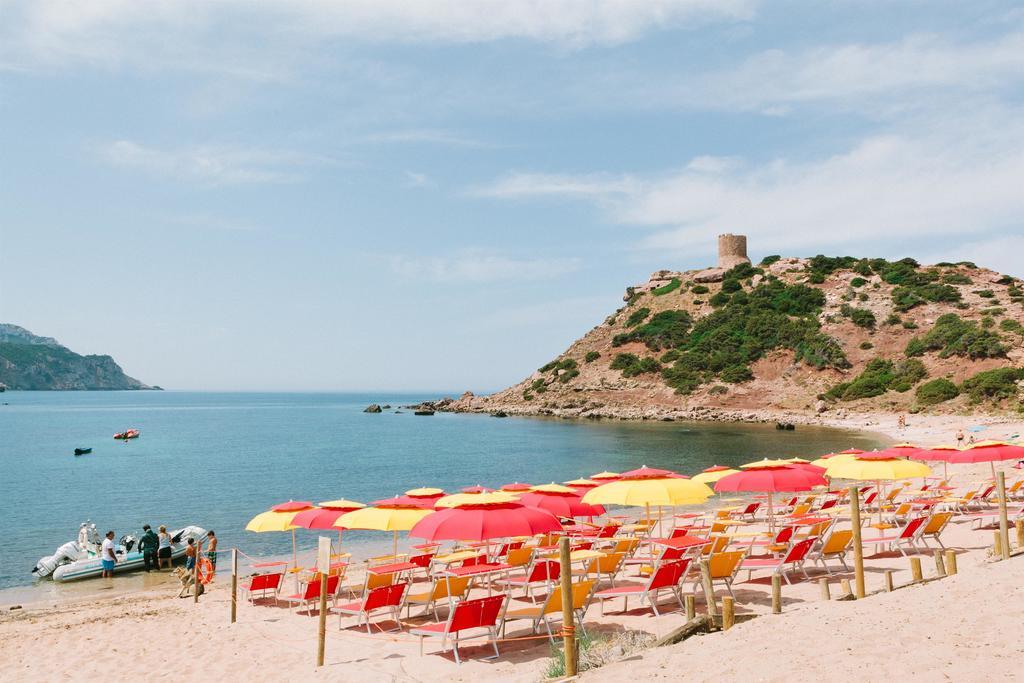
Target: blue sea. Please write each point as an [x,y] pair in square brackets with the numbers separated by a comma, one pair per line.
[218,459]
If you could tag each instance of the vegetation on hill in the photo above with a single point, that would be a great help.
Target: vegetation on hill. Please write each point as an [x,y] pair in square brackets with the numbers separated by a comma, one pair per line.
[878,377]
[953,336]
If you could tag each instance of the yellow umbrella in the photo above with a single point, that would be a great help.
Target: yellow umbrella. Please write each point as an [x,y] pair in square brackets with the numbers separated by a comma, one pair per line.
[393,519]
[340,504]
[580,482]
[712,477]
[870,467]
[825,462]
[276,521]
[553,488]
[767,463]
[605,475]
[424,492]
[457,499]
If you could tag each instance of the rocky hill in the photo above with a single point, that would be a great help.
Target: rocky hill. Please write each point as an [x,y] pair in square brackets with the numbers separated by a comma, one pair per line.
[798,336]
[36,363]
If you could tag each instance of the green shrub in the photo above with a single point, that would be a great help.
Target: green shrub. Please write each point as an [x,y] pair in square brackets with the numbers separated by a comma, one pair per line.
[719,299]
[632,365]
[865,345]
[858,282]
[1011,325]
[768,260]
[700,289]
[666,289]
[670,356]
[736,374]
[994,385]
[909,325]
[637,317]
[718,390]
[682,380]
[985,293]
[873,381]
[539,386]
[591,356]
[663,331]
[936,391]
[861,317]
[907,297]
[548,367]
[730,285]
[893,319]
[987,323]
[956,279]
[906,374]
[953,336]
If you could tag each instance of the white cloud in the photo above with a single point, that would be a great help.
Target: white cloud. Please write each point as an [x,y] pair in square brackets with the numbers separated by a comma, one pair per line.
[480,265]
[132,33]
[931,180]
[212,164]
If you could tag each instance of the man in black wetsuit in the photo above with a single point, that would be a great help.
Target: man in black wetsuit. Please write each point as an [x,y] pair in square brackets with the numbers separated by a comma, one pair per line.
[147,546]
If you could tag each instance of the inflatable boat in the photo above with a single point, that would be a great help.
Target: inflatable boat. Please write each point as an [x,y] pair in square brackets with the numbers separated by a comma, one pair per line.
[81,559]
[128,434]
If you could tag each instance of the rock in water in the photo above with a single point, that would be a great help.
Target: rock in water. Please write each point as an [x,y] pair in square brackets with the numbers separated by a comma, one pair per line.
[424,412]
[373,408]
[500,413]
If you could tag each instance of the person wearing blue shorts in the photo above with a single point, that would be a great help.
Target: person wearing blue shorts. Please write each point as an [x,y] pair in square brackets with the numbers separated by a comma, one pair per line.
[190,555]
[108,556]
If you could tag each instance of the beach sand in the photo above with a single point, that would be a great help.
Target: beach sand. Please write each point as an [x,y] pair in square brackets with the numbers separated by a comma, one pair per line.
[962,628]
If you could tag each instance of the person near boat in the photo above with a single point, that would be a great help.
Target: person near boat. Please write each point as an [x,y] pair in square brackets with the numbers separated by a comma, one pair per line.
[164,548]
[108,557]
[148,546]
[190,555]
[211,548]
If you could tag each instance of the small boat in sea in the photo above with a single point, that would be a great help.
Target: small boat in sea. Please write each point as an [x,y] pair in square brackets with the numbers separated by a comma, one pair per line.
[81,559]
[128,434]
[83,451]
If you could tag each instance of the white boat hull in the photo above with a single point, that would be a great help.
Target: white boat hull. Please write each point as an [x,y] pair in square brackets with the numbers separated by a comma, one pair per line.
[91,567]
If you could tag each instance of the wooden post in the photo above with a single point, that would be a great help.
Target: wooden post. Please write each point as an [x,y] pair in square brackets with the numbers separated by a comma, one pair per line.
[691,607]
[890,585]
[940,566]
[915,569]
[1019,524]
[825,593]
[997,544]
[728,612]
[950,562]
[568,627]
[776,594]
[709,591]
[858,549]
[234,585]
[1004,525]
[844,587]
[195,573]
[323,565]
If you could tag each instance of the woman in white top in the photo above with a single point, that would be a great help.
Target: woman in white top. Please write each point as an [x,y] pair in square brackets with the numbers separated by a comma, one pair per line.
[164,550]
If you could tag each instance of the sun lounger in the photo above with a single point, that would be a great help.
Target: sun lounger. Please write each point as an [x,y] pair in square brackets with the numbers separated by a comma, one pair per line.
[667,577]
[311,593]
[724,567]
[469,619]
[541,572]
[837,544]
[792,561]
[387,598]
[267,585]
[450,588]
[934,528]
[904,539]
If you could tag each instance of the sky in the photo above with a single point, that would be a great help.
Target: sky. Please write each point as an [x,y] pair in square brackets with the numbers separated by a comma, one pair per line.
[442,196]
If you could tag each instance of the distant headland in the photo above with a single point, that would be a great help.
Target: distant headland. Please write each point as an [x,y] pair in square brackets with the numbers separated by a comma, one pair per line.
[31,362]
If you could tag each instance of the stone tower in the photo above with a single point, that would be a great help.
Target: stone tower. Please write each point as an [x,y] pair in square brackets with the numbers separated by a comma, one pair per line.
[732,250]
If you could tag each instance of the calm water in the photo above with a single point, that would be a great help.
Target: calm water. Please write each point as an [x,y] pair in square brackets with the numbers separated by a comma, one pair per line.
[217,459]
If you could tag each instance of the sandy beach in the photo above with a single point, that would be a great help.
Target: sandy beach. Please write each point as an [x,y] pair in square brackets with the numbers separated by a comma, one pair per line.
[954,629]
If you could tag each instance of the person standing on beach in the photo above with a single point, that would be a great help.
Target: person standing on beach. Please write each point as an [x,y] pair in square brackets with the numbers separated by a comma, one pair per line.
[211,548]
[190,555]
[108,558]
[959,438]
[148,545]
[164,552]
[902,423]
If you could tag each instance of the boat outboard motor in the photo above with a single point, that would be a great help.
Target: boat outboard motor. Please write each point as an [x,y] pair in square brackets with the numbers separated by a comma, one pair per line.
[127,541]
[69,552]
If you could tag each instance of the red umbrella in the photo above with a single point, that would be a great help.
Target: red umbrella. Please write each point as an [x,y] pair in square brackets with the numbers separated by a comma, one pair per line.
[716,468]
[292,506]
[514,487]
[646,472]
[770,480]
[987,451]
[901,450]
[477,489]
[422,502]
[318,518]
[485,523]
[562,504]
